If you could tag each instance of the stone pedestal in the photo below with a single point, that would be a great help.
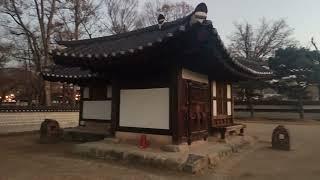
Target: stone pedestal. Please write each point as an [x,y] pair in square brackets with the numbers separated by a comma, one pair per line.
[50,131]
[281,138]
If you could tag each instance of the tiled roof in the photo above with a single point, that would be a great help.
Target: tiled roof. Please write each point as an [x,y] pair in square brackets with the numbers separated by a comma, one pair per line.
[108,47]
[253,66]
[121,44]
[62,72]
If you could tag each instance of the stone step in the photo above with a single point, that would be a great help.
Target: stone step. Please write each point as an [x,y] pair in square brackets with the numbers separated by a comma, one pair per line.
[83,134]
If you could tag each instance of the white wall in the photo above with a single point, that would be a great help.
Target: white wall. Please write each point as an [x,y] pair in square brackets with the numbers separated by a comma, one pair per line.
[229,91]
[214,108]
[97,110]
[229,105]
[31,121]
[229,108]
[214,88]
[214,94]
[144,108]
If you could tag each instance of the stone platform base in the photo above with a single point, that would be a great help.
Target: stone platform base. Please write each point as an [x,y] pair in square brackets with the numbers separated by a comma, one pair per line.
[192,159]
[82,134]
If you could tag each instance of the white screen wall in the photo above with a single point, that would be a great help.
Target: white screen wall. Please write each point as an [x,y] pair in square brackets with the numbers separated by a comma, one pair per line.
[144,108]
[229,108]
[229,91]
[96,110]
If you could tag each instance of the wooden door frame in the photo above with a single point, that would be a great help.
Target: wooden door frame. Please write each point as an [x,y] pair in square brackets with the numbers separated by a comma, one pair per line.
[199,85]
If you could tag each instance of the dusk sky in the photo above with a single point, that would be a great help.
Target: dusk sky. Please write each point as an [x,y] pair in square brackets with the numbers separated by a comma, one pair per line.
[302,15]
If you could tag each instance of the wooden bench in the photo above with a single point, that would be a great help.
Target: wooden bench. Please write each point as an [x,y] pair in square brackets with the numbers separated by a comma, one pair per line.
[230,129]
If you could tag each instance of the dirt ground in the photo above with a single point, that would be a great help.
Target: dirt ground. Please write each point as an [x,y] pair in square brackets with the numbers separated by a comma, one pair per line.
[23,158]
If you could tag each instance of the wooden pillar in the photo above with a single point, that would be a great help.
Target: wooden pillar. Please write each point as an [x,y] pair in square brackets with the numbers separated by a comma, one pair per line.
[174,104]
[115,106]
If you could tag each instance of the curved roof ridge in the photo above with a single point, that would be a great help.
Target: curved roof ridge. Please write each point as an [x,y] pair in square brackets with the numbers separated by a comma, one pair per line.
[127,34]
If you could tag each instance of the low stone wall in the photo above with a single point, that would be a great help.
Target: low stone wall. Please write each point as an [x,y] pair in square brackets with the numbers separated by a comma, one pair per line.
[30,121]
[278,111]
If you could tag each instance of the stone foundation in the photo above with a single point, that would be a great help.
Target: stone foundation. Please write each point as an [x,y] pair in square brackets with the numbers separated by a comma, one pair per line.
[134,138]
[194,160]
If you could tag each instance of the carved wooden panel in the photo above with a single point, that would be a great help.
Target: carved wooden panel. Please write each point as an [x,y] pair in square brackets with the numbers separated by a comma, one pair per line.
[221,98]
[198,110]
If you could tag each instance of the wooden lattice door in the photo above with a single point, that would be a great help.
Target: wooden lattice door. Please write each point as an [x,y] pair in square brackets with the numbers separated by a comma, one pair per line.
[198,98]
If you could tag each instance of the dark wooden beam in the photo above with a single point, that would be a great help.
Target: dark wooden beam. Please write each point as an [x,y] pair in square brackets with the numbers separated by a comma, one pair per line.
[81,105]
[115,110]
[174,104]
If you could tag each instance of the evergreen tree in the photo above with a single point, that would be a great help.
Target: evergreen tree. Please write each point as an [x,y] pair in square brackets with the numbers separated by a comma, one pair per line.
[295,69]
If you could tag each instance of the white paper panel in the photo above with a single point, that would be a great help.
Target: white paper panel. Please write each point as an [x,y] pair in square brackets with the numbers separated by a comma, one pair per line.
[86,92]
[228,91]
[96,110]
[214,88]
[229,110]
[194,76]
[145,108]
[214,108]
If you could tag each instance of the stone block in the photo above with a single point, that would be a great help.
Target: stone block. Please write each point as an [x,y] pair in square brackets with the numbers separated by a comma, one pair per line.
[195,164]
[213,159]
[114,155]
[50,131]
[111,140]
[134,158]
[175,148]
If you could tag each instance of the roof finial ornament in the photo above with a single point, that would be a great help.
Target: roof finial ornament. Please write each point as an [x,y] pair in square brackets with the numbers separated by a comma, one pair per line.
[161,20]
[199,14]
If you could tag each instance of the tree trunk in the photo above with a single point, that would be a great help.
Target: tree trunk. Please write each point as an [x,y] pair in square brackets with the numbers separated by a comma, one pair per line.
[40,92]
[47,87]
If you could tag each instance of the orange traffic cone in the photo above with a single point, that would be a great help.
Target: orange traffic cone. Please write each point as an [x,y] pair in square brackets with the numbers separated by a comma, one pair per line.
[143,142]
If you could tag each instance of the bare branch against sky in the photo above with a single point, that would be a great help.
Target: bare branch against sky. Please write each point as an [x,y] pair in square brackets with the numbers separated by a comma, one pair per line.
[259,43]
[120,15]
[171,10]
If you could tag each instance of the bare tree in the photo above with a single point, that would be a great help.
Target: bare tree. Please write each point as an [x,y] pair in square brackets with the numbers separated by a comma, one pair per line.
[33,19]
[314,44]
[121,15]
[5,50]
[172,11]
[261,42]
[258,44]
[16,80]
[77,18]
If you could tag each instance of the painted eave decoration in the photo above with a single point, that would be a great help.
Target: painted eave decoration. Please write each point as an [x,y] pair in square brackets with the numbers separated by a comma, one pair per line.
[111,48]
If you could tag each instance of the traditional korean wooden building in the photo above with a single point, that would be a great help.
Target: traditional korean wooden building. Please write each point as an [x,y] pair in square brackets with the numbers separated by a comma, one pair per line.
[171,81]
